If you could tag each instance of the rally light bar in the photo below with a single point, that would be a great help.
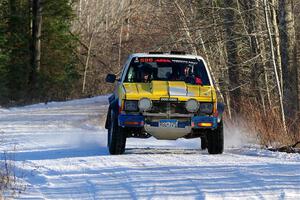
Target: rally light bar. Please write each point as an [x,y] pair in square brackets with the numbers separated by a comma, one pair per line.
[156,52]
[177,52]
[171,52]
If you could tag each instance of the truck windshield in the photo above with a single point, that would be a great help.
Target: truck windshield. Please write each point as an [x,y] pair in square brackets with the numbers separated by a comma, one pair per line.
[147,69]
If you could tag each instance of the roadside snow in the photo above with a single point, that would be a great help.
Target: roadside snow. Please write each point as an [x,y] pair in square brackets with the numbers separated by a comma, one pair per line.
[60,152]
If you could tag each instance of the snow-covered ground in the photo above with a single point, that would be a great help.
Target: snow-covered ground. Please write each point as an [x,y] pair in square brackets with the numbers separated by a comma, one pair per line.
[60,153]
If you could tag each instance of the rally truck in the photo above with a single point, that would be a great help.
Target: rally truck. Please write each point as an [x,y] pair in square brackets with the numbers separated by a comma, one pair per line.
[167,96]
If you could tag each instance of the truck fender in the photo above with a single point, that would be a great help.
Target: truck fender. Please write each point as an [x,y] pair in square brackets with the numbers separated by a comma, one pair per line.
[220,109]
[112,105]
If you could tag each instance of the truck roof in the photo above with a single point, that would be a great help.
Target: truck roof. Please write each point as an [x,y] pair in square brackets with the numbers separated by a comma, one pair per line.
[167,55]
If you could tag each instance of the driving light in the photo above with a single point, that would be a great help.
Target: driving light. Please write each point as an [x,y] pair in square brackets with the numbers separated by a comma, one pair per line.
[205,124]
[131,106]
[144,104]
[192,105]
[206,108]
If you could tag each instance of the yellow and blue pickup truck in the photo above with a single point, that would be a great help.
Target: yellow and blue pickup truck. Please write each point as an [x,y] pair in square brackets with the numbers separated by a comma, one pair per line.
[167,96]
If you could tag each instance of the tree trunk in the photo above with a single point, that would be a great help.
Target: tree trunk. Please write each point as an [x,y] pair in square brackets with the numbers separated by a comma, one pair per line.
[232,53]
[87,62]
[35,42]
[186,28]
[128,20]
[289,67]
[37,32]
[277,40]
[250,26]
[274,65]
[121,39]
[260,40]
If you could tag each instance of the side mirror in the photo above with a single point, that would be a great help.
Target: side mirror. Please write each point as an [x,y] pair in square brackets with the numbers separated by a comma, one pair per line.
[110,78]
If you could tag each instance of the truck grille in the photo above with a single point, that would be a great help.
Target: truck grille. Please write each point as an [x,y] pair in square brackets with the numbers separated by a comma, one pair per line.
[168,107]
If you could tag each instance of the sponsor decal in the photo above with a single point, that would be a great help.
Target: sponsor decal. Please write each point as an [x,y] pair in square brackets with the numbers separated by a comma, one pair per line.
[184,61]
[163,60]
[168,99]
[147,60]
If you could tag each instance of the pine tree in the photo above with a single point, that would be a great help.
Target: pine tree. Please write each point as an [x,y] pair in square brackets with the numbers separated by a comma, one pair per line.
[57,72]
[3,54]
[18,48]
[37,59]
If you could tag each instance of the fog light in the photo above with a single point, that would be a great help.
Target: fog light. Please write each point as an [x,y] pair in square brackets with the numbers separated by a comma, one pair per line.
[145,104]
[192,105]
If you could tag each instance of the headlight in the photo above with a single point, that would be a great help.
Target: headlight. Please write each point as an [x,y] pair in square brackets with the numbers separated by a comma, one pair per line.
[145,104]
[206,108]
[192,105]
[130,106]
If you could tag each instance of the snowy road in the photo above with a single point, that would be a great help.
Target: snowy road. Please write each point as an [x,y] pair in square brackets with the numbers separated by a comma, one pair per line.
[60,153]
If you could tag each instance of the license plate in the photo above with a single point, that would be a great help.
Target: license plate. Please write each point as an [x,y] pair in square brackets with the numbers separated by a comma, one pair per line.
[168,123]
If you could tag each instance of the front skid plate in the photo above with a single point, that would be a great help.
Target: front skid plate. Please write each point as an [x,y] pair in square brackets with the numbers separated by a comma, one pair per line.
[162,133]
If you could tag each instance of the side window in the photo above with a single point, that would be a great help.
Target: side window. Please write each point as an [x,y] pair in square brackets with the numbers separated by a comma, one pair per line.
[200,71]
[124,68]
[164,73]
[131,75]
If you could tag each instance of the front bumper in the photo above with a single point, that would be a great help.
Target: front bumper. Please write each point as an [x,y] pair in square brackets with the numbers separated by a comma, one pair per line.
[196,122]
[129,120]
[199,122]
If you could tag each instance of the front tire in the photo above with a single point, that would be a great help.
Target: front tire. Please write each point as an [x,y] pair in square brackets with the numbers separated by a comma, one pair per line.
[203,143]
[216,140]
[116,137]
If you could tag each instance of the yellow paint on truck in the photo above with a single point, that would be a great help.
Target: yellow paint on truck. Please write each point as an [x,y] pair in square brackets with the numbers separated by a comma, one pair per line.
[170,89]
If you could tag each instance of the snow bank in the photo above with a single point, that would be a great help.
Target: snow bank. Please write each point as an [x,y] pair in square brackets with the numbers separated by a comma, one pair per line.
[61,154]
[54,104]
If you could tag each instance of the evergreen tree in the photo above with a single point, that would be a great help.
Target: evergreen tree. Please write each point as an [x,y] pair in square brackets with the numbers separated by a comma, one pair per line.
[14,50]
[58,61]
[3,53]
[20,79]
[17,46]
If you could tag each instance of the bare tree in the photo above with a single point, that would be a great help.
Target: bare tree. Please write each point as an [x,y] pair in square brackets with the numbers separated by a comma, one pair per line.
[232,54]
[288,55]
[274,65]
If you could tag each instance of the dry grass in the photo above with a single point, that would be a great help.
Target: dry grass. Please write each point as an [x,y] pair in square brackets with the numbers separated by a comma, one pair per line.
[267,126]
[10,187]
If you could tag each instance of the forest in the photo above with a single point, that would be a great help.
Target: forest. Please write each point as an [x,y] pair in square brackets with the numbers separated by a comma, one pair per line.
[63,49]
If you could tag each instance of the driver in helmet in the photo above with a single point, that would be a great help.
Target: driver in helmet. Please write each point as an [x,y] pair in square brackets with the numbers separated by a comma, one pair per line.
[189,77]
[146,73]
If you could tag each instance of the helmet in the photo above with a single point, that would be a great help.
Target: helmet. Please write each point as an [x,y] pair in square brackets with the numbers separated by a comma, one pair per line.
[146,68]
[143,70]
[189,68]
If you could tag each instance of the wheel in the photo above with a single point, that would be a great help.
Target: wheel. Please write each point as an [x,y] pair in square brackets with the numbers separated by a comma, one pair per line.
[108,119]
[203,143]
[116,137]
[215,140]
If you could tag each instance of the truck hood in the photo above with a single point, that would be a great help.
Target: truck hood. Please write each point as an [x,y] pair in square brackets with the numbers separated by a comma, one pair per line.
[170,89]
